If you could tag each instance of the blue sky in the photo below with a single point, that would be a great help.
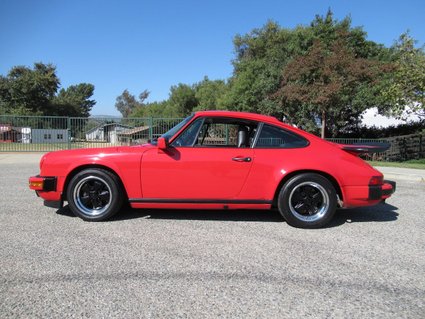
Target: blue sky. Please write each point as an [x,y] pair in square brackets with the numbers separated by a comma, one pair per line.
[155,44]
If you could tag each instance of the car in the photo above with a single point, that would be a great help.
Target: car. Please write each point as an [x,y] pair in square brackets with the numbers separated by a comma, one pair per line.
[217,160]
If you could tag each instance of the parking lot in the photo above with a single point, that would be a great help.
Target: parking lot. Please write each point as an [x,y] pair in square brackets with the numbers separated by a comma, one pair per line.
[370,262]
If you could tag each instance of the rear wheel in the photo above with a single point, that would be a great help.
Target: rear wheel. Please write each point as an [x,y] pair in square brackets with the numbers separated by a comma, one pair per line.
[307,201]
[94,194]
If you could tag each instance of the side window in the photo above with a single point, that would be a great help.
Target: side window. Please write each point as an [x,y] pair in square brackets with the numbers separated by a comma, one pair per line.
[227,133]
[217,132]
[189,135]
[276,137]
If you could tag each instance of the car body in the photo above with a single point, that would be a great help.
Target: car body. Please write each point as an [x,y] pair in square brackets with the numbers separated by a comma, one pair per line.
[216,160]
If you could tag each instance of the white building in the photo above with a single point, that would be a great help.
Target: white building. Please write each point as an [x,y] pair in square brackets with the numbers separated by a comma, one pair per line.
[106,132]
[49,136]
[26,135]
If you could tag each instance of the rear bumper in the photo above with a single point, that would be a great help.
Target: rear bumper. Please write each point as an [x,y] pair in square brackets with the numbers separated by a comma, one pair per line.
[382,191]
[358,196]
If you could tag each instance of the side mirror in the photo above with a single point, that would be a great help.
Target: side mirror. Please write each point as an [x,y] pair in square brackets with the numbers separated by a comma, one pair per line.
[162,143]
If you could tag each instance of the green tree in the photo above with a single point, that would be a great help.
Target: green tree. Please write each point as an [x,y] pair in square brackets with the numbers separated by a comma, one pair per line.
[260,57]
[328,30]
[406,92]
[126,103]
[183,99]
[208,94]
[74,101]
[5,98]
[262,54]
[28,91]
[154,109]
[328,85]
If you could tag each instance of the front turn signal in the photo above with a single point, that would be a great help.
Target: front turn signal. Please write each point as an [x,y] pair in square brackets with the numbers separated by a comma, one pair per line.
[36,184]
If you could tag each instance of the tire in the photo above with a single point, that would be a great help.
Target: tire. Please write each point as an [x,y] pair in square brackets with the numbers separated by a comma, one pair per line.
[307,201]
[94,194]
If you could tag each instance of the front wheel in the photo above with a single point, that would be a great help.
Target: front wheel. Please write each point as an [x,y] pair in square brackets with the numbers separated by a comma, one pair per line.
[94,194]
[307,201]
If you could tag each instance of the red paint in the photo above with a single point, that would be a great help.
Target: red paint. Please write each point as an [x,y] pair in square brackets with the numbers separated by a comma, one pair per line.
[213,174]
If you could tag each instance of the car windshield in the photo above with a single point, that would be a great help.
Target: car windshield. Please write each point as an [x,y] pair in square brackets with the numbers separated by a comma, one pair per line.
[169,134]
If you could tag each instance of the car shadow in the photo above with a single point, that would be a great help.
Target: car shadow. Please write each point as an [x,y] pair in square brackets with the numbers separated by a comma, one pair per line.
[379,213]
[198,214]
[65,211]
[128,213]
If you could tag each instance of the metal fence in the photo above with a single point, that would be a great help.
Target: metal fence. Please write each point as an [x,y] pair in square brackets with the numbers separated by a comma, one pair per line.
[402,148]
[372,156]
[49,133]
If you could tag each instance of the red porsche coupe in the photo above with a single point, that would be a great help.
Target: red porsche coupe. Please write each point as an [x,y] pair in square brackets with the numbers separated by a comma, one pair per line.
[216,160]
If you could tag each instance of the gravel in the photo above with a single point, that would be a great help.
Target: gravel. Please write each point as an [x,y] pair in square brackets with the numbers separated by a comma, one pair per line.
[369,263]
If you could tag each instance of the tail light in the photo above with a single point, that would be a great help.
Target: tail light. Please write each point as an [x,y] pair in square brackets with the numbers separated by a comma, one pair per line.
[376,180]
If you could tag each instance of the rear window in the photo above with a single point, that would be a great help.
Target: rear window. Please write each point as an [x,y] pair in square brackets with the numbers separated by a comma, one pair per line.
[276,137]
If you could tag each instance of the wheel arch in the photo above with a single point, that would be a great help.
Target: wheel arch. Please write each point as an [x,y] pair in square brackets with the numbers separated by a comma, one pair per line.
[78,169]
[287,177]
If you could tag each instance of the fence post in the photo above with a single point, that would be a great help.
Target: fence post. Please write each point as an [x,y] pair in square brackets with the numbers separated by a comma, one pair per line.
[227,134]
[151,128]
[68,126]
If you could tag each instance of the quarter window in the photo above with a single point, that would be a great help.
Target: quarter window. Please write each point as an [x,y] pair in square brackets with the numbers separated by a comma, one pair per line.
[276,137]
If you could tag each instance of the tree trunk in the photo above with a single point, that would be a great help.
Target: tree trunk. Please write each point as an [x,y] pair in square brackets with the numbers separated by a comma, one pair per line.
[323,124]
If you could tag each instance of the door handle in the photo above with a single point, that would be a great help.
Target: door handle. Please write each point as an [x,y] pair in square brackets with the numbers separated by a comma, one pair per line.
[241,159]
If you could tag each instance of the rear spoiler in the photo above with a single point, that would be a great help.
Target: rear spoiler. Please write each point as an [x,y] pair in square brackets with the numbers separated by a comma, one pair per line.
[365,148]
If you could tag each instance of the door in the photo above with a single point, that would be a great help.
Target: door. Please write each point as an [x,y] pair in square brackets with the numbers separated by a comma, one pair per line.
[195,173]
[210,160]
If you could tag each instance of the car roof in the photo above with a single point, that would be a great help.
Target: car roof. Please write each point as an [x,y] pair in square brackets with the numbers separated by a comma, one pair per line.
[259,118]
[242,115]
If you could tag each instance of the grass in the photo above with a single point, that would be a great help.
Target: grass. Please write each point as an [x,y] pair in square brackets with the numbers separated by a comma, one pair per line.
[416,164]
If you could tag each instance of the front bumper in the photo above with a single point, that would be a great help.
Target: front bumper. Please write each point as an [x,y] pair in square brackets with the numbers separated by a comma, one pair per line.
[46,188]
[383,191]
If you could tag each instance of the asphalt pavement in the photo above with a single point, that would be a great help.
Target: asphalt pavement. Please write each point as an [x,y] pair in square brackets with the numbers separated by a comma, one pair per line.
[398,173]
[369,263]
